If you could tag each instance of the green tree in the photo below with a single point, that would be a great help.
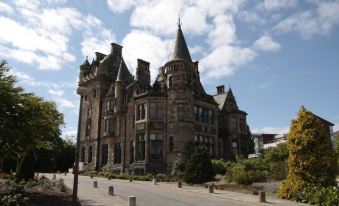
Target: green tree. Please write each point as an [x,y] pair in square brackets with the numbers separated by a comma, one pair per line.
[311,161]
[10,100]
[27,123]
[199,168]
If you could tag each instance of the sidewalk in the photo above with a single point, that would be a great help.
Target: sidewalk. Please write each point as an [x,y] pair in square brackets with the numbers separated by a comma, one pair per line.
[88,196]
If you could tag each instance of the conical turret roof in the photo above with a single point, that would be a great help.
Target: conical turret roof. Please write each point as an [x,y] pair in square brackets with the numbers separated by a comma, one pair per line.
[179,49]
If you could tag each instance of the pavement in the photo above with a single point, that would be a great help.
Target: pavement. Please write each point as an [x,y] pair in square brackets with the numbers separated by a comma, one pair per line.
[161,194]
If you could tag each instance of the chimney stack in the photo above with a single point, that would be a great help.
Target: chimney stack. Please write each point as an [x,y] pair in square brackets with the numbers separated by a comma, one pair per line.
[221,89]
[116,49]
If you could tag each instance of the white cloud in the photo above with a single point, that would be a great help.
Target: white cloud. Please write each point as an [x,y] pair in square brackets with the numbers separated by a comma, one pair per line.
[223,32]
[271,5]
[251,17]
[319,21]
[271,130]
[146,46]
[58,93]
[266,43]
[5,8]
[119,6]
[223,61]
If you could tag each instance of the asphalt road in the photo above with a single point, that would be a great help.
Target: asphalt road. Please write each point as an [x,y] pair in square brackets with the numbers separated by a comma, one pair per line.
[147,194]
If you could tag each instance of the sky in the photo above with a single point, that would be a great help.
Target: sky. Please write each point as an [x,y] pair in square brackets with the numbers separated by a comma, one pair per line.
[276,55]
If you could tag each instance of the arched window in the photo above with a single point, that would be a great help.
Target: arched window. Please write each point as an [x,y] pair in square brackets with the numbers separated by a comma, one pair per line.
[170,82]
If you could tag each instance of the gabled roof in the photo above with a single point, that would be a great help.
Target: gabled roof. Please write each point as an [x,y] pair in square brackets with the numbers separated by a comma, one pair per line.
[179,49]
[123,72]
[220,99]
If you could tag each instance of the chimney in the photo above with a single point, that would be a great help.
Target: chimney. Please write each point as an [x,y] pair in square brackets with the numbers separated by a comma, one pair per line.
[143,73]
[116,49]
[221,89]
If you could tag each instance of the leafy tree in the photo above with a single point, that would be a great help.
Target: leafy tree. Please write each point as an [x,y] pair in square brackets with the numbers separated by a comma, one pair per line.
[10,100]
[311,161]
[199,168]
[27,123]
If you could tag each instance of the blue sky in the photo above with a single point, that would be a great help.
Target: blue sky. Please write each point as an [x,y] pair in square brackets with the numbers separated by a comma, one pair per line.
[276,54]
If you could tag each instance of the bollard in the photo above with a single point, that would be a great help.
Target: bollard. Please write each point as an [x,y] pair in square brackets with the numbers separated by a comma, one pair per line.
[65,173]
[262,197]
[180,184]
[154,181]
[130,179]
[54,176]
[91,176]
[211,188]
[109,177]
[111,190]
[95,184]
[132,201]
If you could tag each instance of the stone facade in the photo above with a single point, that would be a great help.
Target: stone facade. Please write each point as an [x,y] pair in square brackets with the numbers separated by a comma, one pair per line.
[131,125]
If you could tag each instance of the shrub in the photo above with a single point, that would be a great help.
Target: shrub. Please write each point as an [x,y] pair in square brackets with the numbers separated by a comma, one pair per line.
[327,196]
[311,161]
[278,170]
[179,165]
[161,176]
[15,200]
[199,167]
[61,184]
[240,175]
[219,166]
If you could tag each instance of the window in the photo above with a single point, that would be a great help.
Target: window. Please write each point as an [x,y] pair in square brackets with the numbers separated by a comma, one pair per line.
[212,117]
[156,146]
[156,110]
[195,112]
[88,121]
[131,151]
[234,148]
[140,147]
[111,127]
[170,82]
[233,123]
[117,153]
[170,144]
[104,154]
[83,153]
[243,125]
[106,125]
[180,111]
[141,111]
[110,104]
[94,93]
[90,153]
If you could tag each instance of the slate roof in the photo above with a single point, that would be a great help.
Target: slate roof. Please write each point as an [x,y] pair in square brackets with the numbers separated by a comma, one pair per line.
[179,49]
[123,72]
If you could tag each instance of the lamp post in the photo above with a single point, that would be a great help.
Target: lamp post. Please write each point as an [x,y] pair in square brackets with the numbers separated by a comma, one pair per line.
[80,91]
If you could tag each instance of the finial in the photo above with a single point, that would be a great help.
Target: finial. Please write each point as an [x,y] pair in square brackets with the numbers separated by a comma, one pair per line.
[179,21]
[229,86]
[87,58]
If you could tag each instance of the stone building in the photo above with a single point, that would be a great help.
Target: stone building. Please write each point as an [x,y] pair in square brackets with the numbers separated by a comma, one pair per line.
[133,125]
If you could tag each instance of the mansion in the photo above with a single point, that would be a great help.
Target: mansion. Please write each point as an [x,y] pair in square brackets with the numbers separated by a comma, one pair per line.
[131,124]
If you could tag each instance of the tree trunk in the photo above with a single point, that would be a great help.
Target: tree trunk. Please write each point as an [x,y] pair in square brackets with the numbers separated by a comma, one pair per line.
[25,167]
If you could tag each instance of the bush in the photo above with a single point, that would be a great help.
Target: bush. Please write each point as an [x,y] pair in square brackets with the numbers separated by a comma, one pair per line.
[61,184]
[221,166]
[161,176]
[15,200]
[311,161]
[241,175]
[278,171]
[327,196]
[199,167]
[179,165]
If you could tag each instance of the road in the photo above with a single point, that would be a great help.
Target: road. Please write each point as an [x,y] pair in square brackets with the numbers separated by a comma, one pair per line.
[162,194]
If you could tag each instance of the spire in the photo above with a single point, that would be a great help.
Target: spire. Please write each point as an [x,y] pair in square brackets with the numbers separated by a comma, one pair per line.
[179,49]
[86,63]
